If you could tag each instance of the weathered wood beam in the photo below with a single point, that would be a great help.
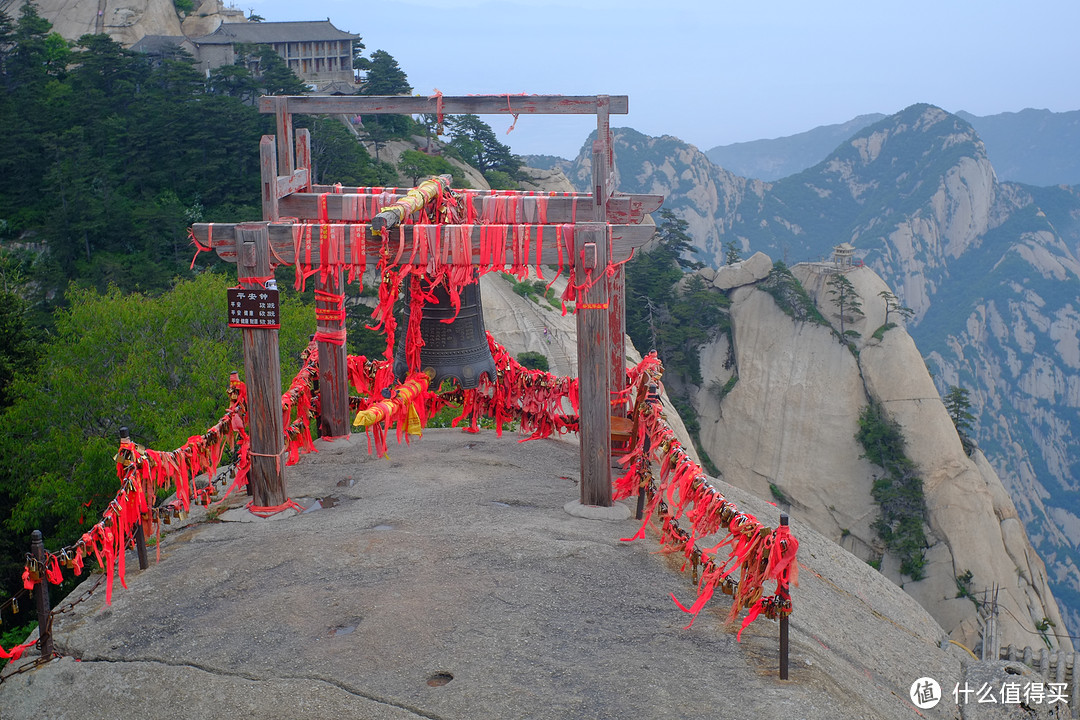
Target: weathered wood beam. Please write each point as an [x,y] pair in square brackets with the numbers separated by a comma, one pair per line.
[402,190]
[333,367]
[283,114]
[262,370]
[594,388]
[221,237]
[299,181]
[269,174]
[303,155]
[445,104]
[511,209]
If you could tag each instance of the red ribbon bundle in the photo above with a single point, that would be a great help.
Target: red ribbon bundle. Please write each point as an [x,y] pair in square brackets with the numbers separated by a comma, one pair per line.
[760,553]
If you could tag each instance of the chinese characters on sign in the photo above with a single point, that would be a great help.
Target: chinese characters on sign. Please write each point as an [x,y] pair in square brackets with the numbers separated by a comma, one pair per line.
[253,308]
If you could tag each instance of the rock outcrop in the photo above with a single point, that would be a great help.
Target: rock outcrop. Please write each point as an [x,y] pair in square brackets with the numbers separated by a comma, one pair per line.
[787,430]
[125,21]
[989,267]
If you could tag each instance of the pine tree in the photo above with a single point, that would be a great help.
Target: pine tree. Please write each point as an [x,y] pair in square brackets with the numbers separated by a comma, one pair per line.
[384,77]
[847,301]
[959,406]
[478,146]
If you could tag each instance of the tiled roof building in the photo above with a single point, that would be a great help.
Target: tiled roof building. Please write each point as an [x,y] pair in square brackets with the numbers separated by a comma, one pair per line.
[319,53]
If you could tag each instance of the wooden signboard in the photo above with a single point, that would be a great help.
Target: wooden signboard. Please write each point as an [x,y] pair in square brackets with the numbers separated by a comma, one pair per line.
[251,308]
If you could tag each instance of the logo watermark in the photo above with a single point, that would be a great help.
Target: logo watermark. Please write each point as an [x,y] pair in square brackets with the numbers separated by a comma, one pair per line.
[925,693]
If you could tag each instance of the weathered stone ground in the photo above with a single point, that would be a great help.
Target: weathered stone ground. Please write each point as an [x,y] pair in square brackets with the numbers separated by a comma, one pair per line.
[447,581]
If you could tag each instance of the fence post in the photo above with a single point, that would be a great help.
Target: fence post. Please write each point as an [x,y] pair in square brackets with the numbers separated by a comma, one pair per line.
[41,596]
[139,532]
[783,626]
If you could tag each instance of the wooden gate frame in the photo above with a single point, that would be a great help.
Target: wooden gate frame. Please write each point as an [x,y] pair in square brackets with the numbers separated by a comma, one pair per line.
[607,230]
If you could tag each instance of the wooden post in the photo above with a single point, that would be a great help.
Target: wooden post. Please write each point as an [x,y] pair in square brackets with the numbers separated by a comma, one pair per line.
[268,170]
[41,596]
[303,154]
[262,366]
[783,627]
[333,369]
[603,169]
[285,159]
[590,256]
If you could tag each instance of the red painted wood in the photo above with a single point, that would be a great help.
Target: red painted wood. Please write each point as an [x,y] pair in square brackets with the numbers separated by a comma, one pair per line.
[624,238]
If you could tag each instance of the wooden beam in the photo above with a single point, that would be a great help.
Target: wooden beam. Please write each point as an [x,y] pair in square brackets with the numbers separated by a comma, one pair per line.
[333,370]
[287,185]
[446,105]
[476,193]
[262,370]
[222,237]
[594,387]
[510,209]
[269,173]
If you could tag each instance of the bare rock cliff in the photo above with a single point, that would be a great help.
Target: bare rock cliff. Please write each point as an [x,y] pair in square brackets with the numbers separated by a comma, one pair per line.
[787,430]
[128,21]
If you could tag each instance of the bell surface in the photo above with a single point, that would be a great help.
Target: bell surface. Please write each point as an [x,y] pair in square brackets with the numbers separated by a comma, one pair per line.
[457,349]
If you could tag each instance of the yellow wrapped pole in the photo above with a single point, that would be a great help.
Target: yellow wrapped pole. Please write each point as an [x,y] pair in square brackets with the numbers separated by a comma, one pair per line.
[414,201]
[405,398]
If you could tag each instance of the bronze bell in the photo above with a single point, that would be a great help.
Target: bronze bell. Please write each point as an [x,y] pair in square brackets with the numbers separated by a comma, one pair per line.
[457,349]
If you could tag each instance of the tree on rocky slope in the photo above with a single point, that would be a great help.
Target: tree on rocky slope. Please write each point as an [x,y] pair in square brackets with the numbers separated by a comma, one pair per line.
[847,301]
[959,406]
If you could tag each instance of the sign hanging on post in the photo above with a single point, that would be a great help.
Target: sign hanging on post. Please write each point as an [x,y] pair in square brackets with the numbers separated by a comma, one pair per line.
[254,308]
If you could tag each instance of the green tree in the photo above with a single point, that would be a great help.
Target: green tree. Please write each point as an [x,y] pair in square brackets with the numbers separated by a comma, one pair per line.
[20,344]
[731,253]
[958,404]
[275,75]
[158,365]
[893,305]
[898,492]
[847,301]
[337,156]
[384,77]
[414,165]
[475,141]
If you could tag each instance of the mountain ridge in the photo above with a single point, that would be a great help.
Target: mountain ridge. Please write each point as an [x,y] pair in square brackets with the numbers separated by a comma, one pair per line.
[989,272]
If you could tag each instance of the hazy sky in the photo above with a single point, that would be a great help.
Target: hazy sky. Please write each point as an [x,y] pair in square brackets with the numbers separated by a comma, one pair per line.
[713,73]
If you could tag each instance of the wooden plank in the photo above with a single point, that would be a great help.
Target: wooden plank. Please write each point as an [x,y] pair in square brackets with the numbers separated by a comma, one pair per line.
[262,369]
[333,371]
[299,181]
[509,209]
[221,237]
[475,193]
[268,170]
[594,386]
[450,105]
